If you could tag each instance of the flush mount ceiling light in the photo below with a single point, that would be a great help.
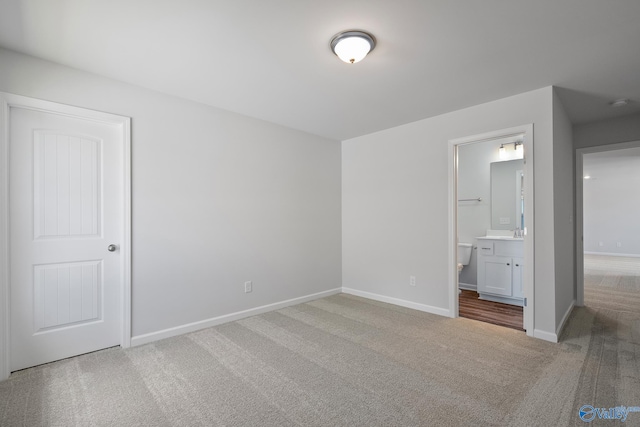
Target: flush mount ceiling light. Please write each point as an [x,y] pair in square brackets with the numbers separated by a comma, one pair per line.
[619,103]
[352,46]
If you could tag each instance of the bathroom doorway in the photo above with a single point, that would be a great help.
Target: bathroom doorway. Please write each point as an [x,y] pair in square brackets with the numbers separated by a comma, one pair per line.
[491,235]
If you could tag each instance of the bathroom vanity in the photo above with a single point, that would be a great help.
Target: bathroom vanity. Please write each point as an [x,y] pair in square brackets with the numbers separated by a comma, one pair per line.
[500,266]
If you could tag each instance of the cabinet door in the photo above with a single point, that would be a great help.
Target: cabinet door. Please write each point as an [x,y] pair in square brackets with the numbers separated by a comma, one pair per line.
[518,292]
[495,275]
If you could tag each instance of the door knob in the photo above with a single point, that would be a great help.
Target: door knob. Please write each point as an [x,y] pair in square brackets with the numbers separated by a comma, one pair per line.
[112,248]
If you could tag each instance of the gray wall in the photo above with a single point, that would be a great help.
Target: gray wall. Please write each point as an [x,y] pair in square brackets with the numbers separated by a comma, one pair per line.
[612,131]
[395,203]
[564,211]
[611,202]
[240,199]
[218,199]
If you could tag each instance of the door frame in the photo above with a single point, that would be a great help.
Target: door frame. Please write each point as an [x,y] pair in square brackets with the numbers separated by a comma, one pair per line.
[529,241]
[579,232]
[8,101]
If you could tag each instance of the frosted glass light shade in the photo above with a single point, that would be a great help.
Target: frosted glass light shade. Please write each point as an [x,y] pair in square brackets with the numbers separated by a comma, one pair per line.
[352,46]
[519,150]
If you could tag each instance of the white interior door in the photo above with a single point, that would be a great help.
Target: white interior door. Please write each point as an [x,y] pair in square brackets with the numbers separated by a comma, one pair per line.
[66,205]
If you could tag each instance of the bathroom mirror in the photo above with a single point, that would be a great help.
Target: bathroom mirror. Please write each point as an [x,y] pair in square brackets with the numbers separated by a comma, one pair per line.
[507,198]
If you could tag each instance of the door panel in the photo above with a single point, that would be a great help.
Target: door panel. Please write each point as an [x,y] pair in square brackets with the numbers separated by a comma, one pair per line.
[66,294]
[67,180]
[66,199]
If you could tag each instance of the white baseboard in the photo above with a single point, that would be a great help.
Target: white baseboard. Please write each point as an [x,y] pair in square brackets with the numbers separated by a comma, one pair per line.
[396,301]
[612,254]
[467,286]
[207,323]
[544,335]
[565,318]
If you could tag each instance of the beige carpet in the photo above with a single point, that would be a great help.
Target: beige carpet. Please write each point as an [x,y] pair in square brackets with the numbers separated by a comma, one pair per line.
[612,365]
[347,361]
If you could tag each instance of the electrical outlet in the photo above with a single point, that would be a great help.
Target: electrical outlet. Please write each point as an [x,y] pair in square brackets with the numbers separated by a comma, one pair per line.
[412,280]
[619,244]
[248,287]
[505,220]
[601,244]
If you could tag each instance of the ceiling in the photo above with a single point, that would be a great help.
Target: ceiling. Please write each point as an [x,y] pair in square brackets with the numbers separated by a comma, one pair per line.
[271,59]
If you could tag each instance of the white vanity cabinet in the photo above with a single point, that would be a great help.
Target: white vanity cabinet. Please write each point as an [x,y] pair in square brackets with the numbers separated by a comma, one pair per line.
[516,290]
[500,264]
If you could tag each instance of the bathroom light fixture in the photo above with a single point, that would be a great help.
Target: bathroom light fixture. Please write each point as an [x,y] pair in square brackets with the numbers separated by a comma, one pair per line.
[619,103]
[352,46]
[519,147]
[517,153]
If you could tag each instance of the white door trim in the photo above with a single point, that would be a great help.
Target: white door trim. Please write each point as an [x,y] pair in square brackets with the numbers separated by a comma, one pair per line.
[8,101]
[580,152]
[528,278]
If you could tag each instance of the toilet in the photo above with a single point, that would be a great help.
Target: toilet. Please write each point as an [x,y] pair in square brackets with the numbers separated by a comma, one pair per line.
[464,256]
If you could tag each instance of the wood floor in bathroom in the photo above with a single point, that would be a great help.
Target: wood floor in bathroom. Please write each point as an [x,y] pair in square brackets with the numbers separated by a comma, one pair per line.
[506,315]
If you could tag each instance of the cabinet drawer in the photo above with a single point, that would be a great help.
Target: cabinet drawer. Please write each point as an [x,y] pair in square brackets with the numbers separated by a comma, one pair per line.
[508,248]
[485,248]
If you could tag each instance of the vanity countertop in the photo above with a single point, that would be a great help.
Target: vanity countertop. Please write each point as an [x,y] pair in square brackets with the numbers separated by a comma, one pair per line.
[500,238]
